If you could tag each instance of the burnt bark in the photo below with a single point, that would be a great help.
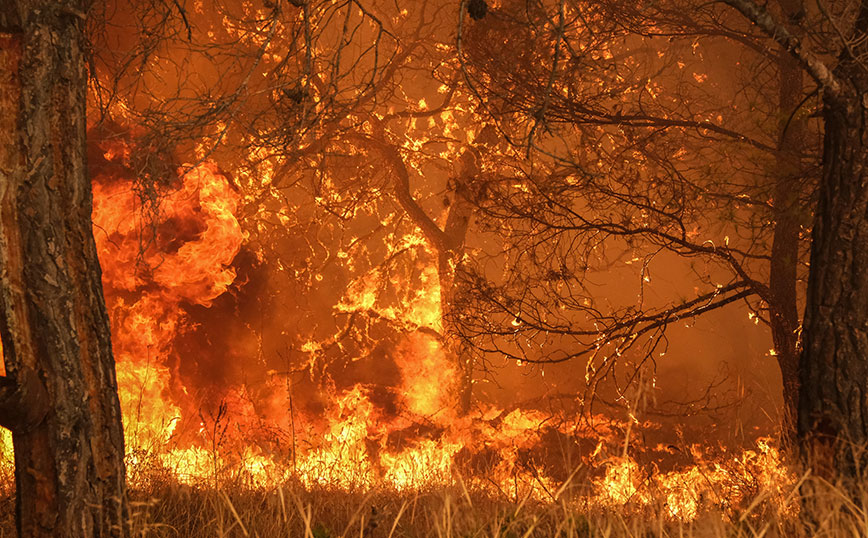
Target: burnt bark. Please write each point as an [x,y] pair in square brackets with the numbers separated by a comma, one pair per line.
[70,474]
[833,404]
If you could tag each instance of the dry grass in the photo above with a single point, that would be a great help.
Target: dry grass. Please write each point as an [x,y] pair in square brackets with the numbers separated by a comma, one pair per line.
[173,510]
[160,506]
[453,512]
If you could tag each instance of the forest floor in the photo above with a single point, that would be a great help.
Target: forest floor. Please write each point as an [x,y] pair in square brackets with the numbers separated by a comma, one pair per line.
[174,510]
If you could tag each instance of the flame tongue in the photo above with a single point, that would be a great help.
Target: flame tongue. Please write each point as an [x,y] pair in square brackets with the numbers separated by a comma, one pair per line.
[198,271]
[150,268]
[185,255]
[428,378]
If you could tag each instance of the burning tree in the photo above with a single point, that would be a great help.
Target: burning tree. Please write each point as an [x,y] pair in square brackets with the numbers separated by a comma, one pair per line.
[332,126]
[60,395]
[301,129]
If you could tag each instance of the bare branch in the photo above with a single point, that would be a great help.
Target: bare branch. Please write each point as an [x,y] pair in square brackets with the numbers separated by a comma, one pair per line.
[403,195]
[777,31]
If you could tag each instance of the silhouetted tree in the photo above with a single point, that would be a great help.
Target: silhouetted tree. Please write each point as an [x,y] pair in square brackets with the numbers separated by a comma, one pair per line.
[627,151]
[647,136]
[832,425]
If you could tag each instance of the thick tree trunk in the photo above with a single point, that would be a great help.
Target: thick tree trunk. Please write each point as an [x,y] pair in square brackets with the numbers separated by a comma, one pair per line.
[833,403]
[56,342]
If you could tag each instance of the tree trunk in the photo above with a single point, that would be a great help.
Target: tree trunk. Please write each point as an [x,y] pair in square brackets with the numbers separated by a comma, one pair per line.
[448,243]
[69,450]
[456,348]
[783,309]
[833,404]
[450,258]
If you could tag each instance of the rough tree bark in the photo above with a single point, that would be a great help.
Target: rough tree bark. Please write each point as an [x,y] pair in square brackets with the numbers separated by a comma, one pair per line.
[833,405]
[60,396]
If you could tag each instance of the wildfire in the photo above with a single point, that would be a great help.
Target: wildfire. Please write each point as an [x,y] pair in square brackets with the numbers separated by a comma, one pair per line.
[149,270]
[156,265]
[428,379]
[724,483]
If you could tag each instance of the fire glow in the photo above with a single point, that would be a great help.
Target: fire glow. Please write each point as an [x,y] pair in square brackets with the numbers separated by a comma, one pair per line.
[184,256]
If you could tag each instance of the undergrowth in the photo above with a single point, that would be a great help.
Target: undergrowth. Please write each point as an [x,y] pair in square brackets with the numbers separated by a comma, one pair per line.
[170,509]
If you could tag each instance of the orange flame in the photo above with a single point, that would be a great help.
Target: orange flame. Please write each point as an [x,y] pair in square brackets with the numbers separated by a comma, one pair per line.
[183,256]
[148,273]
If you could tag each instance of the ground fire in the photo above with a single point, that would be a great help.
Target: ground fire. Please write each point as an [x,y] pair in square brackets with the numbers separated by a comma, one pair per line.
[209,423]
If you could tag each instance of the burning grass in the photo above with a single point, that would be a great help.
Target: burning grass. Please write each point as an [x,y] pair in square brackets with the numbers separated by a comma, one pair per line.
[461,510]
[234,506]
[441,512]
[226,491]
